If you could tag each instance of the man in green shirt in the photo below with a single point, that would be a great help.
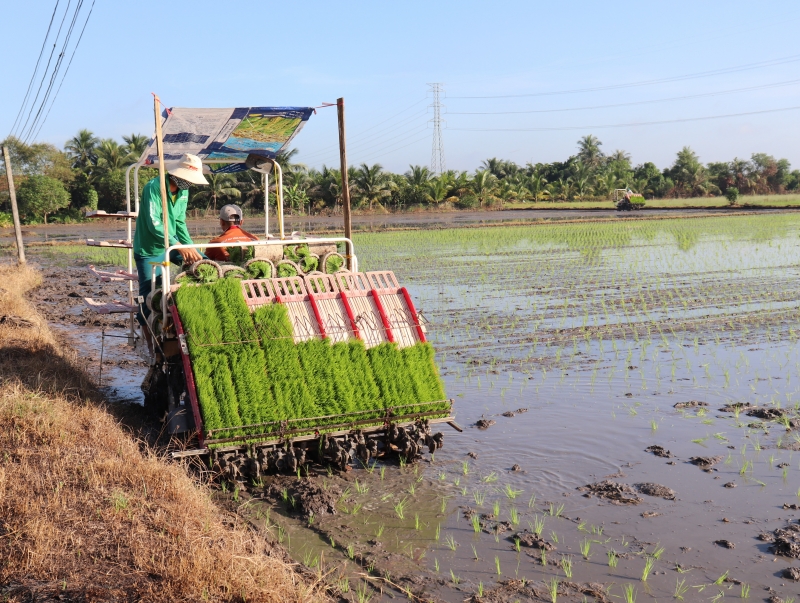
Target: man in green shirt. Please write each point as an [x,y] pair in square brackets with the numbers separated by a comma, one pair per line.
[148,242]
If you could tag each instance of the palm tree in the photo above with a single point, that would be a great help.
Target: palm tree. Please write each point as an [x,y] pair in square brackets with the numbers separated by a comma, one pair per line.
[582,187]
[417,179]
[372,184]
[589,152]
[536,184]
[137,144]
[284,159]
[620,155]
[113,156]
[81,150]
[219,186]
[483,185]
[437,189]
[605,184]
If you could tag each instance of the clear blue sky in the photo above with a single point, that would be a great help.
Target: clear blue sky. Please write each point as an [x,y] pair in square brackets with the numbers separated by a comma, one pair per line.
[379,55]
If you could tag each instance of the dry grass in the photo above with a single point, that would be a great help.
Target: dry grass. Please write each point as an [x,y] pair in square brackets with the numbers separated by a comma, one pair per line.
[85,514]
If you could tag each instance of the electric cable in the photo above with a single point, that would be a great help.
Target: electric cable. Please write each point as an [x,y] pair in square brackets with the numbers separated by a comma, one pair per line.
[678,78]
[628,125]
[659,100]
[35,69]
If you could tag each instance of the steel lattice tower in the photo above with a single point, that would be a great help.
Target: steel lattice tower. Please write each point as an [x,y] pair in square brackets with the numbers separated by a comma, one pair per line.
[437,151]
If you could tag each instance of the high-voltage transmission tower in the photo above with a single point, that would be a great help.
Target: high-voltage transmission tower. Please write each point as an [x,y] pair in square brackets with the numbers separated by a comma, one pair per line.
[437,152]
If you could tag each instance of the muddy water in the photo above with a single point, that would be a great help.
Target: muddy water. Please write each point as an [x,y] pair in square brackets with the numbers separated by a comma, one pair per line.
[598,339]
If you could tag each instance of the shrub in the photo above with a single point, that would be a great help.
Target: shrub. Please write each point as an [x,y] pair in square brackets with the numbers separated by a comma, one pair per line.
[732,195]
[467,202]
[41,195]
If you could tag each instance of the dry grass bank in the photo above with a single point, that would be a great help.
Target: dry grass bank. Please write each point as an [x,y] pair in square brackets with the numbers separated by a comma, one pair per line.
[84,514]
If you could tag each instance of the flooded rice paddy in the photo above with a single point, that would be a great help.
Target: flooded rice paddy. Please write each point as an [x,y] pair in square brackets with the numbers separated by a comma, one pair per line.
[581,346]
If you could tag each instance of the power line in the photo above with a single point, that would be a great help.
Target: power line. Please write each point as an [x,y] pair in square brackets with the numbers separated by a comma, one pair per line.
[44,75]
[628,125]
[437,148]
[56,69]
[35,69]
[713,72]
[63,77]
[646,102]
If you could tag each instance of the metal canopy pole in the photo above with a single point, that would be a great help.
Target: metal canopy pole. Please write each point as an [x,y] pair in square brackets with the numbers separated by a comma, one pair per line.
[162,179]
[345,184]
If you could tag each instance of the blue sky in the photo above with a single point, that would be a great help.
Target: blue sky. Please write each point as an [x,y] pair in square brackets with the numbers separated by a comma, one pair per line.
[380,55]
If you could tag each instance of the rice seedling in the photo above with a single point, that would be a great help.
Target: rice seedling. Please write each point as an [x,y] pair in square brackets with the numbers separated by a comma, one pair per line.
[681,588]
[497,565]
[450,542]
[379,532]
[465,467]
[566,565]
[438,532]
[552,589]
[492,477]
[586,547]
[454,579]
[538,522]
[496,508]
[476,524]
[416,522]
[480,589]
[554,536]
[657,552]
[361,488]
[480,497]
[721,579]
[513,516]
[649,563]
[629,593]
[613,559]
[474,553]
[436,564]
[400,508]
[362,595]
[511,493]
[543,557]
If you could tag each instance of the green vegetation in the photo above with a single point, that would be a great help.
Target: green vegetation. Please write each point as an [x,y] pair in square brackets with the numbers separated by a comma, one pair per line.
[266,377]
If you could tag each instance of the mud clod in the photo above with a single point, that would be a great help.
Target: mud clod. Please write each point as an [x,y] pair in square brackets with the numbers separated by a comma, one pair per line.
[726,544]
[472,455]
[516,467]
[690,404]
[309,497]
[729,485]
[659,451]
[621,494]
[766,537]
[705,462]
[791,573]
[768,414]
[519,411]
[509,413]
[484,423]
[656,490]
[792,506]
[649,514]
[737,406]
[529,539]
[787,541]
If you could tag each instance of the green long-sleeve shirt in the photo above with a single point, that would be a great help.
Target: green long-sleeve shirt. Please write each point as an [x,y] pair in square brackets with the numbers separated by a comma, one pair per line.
[149,237]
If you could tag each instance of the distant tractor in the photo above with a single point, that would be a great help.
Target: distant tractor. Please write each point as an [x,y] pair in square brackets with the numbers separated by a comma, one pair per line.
[626,200]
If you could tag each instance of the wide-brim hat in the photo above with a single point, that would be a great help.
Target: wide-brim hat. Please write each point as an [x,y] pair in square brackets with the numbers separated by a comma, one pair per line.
[189,168]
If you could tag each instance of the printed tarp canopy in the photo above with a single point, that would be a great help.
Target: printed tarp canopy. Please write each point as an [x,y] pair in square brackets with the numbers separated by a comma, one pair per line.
[227,134]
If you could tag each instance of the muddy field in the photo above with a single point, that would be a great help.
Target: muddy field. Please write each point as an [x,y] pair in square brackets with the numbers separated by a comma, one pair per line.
[636,385]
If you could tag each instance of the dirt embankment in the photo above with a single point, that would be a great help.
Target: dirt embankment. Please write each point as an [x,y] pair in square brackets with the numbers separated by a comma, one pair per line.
[86,512]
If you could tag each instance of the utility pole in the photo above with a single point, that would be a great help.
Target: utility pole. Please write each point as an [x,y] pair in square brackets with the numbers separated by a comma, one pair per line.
[14,211]
[437,152]
[345,182]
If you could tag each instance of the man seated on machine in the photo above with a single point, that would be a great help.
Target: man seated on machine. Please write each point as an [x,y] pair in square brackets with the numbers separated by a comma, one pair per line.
[230,220]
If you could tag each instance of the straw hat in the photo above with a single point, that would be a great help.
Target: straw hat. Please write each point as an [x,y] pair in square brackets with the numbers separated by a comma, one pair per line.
[188,168]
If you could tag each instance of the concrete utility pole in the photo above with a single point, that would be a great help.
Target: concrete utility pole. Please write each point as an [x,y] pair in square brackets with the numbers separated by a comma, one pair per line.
[345,184]
[14,210]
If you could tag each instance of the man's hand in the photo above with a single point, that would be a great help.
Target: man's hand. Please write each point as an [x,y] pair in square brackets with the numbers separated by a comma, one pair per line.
[190,256]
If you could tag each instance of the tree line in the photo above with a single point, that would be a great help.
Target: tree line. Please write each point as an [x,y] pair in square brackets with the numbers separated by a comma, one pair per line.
[89,173]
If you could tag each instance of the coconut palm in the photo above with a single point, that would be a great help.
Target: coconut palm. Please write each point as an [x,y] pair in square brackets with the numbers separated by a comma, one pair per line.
[483,186]
[112,156]
[604,185]
[220,186]
[372,184]
[589,152]
[437,190]
[536,184]
[81,149]
[416,183]
[582,187]
[137,144]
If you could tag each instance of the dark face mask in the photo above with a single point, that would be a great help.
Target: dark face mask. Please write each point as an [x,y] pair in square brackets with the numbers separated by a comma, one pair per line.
[180,183]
